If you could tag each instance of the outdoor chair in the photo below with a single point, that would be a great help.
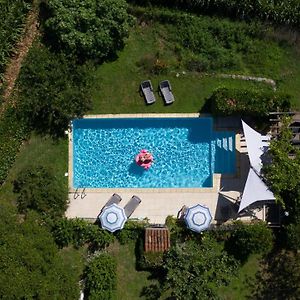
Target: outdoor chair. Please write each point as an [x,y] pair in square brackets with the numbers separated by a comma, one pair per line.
[147,91]
[165,91]
[114,199]
[130,207]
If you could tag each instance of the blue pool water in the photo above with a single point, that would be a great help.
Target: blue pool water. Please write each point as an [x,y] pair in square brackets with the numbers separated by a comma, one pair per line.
[186,152]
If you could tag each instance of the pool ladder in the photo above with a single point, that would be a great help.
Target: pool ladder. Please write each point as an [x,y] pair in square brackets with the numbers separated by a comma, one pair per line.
[77,194]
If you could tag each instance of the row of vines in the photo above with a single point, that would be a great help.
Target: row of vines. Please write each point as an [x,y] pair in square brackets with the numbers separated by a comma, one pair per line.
[279,12]
[12,16]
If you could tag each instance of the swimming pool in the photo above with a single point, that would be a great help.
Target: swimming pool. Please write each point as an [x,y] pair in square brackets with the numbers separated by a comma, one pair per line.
[186,152]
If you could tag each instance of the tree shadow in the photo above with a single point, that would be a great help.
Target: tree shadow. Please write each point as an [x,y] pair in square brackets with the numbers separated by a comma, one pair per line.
[279,278]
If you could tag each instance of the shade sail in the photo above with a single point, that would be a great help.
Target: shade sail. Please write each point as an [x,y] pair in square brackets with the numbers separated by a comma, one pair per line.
[112,218]
[256,146]
[255,190]
[198,218]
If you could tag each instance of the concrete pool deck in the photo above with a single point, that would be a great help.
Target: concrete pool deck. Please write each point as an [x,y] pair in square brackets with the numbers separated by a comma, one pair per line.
[157,204]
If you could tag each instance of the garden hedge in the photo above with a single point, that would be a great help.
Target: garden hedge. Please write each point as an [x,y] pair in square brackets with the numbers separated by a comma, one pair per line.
[230,101]
[78,232]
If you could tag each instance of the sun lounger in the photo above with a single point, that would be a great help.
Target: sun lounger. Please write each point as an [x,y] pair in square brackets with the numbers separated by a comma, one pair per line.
[114,199]
[147,91]
[132,205]
[166,91]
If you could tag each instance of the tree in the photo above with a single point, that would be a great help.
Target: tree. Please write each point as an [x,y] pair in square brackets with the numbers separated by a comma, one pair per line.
[53,91]
[196,271]
[30,263]
[249,239]
[101,277]
[88,29]
[283,173]
[39,190]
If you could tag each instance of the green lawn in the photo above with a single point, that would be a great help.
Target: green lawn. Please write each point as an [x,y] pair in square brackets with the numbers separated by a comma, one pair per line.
[117,83]
[130,282]
[240,286]
[116,88]
[35,152]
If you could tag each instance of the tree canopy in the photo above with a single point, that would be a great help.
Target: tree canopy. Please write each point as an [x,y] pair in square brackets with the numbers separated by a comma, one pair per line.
[89,29]
[39,190]
[194,271]
[53,91]
[31,266]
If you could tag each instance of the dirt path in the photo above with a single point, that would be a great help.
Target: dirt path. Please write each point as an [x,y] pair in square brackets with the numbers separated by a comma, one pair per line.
[13,69]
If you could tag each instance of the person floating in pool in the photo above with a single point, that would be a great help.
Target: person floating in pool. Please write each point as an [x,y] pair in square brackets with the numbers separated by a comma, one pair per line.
[144,159]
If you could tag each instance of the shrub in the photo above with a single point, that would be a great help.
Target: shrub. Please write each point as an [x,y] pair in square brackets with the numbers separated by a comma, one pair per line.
[38,189]
[195,270]
[78,232]
[52,91]
[250,239]
[225,101]
[32,267]
[101,277]
[90,29]
[293,236]
[12,132]
[131,231]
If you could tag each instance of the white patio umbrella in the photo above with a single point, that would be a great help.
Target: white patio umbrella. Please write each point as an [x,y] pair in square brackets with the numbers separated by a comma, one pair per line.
[113,218]
[198,218]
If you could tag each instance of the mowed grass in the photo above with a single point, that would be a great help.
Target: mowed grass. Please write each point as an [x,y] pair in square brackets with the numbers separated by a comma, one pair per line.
[130,282]
[116,88]
[38,151]
[117,83]
[241,286]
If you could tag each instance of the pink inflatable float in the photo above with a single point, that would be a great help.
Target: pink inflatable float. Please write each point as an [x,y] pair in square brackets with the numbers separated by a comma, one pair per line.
[144,159]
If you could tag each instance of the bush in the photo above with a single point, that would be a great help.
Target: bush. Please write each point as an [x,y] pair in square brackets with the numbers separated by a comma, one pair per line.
[101,278]
[256,238]
[293,236]
[242,102]
[79,232]
[12,133]
[90,29]
[196,270]
[38,189]
[31,265]
[179,231]
[52,91]
[131,231]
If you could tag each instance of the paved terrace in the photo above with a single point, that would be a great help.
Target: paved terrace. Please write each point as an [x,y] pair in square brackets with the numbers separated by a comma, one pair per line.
[157,204]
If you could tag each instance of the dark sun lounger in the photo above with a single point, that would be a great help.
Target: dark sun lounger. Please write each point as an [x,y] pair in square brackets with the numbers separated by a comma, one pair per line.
[147,91]
[165,90]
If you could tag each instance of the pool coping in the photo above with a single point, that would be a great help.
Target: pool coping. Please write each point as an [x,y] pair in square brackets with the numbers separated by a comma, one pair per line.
[216,176]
